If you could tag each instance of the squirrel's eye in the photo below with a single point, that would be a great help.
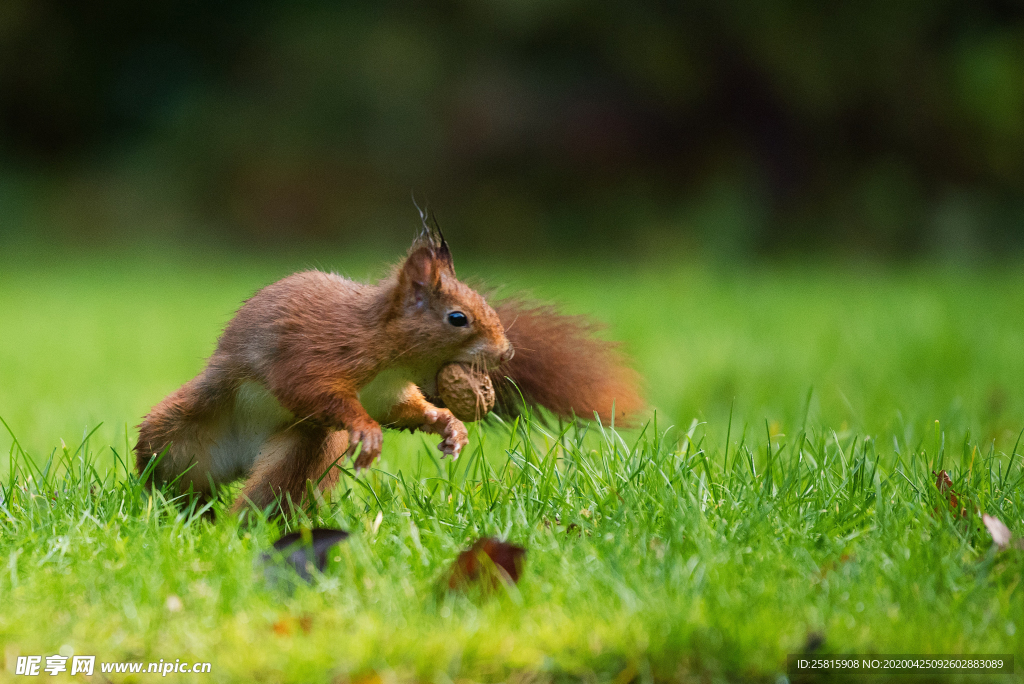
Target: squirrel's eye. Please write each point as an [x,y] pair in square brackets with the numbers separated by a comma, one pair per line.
[458,319]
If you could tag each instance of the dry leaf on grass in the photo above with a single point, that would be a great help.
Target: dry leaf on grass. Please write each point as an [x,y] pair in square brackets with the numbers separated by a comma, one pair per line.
[487,562]
[303,551]
[945,487]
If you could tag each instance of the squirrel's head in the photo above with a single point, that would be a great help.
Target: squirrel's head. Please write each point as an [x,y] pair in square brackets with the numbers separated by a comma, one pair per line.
[443,319]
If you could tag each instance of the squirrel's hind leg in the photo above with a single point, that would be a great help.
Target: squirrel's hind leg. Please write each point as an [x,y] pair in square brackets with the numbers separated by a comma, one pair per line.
[287,461]
[181,430]
[176,436]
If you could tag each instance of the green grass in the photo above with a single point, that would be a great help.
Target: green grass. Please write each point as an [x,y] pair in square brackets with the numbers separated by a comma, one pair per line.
[782,492]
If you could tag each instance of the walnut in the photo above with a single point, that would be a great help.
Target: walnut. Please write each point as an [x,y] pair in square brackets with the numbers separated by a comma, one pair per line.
[467,393]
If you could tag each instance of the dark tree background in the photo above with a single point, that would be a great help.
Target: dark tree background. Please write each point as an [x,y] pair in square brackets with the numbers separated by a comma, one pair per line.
[878,127]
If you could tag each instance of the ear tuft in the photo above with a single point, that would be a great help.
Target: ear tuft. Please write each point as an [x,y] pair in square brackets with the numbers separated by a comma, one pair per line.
[432,239]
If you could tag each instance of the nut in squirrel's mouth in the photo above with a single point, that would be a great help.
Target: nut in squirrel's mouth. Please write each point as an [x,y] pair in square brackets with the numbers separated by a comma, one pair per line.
[466,391]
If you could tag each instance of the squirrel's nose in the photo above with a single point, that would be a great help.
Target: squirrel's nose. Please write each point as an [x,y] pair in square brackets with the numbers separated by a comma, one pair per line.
[508,354]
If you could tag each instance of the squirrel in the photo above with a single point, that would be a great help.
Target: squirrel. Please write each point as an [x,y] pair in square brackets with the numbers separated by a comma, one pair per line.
[311,367]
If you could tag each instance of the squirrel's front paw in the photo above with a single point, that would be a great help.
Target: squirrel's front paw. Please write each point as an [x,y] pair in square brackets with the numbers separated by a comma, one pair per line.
[367,440]
[451,429]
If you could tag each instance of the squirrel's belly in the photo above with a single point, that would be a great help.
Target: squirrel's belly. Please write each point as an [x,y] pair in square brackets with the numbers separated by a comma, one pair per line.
[388,388]
[255,416]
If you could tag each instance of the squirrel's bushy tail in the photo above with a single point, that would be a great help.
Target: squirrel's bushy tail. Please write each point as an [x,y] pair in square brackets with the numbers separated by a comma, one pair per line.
[560,364]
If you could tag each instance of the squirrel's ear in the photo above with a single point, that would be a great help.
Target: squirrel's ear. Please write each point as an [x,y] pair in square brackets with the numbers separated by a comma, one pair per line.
[419,277]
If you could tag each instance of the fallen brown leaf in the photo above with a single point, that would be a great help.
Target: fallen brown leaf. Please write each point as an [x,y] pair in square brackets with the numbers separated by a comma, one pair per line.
[488,561]
[301,551]
[945,487]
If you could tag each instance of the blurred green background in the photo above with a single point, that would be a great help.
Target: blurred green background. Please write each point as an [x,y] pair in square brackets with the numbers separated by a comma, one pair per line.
[762,199]
[799,218]
[723,128]
[865,351]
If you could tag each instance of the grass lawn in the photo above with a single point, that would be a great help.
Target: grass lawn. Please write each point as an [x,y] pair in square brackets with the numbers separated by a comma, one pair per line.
[780,496]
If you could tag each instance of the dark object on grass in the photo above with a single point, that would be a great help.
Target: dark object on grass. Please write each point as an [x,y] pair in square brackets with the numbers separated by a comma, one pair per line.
[945,487]
[488,562]
[815,640]
[303,551]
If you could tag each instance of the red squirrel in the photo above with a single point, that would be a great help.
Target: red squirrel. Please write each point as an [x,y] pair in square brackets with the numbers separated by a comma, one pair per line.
[312,366]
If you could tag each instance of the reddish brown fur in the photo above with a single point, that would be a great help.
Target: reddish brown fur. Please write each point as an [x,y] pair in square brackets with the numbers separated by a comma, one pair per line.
[311,367]
[561,365]
[304,349]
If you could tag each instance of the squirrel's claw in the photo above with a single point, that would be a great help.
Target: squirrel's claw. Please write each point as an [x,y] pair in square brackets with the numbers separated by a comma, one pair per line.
[453,432]
[368,441]
[455,437]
